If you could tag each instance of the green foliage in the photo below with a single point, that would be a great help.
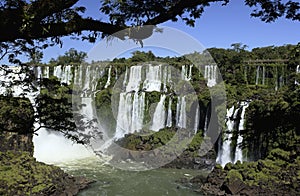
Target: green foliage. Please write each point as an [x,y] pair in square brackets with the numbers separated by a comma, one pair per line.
[16,115]
[234,174]
[142,56]
[71,57]
[20,174]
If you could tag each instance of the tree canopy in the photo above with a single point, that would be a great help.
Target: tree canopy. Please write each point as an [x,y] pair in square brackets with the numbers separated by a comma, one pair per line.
[28,24]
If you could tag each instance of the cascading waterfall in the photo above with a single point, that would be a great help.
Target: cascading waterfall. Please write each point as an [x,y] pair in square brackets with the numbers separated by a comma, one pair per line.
[135,78]
[159,116]
[181,112]
[108,79]
[153,79]
[224,154]
[186,74]
[138,82]
[63,73]
[132,102]
[169,119]
[210,74]
[238,151]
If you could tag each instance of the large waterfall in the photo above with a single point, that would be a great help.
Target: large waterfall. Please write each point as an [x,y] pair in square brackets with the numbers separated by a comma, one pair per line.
[138,83]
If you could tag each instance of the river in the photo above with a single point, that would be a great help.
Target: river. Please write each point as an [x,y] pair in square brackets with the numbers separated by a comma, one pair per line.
[115,182]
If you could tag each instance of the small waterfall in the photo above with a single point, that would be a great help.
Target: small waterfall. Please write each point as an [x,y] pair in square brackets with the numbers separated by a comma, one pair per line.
[297,72]
[238,150]
[108,79]
[257,75]
[210,74]
[197,116]
[159,116]
[169,119]
[181,112]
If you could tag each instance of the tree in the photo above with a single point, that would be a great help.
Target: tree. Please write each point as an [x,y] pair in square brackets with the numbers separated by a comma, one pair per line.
[71,57]
[29,24]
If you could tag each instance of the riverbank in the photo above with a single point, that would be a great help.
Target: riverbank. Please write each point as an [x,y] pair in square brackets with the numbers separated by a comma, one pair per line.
[278,174]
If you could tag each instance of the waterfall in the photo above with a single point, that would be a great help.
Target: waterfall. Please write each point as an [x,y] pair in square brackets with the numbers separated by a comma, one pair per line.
[257,75]
[224,156]
[108,79]
[210,74]
[49,146]
[48,151]
[197,116]
[63,73]
[131,107]
[153,79]
[139,82]
[169,119]
[297,72]
[225,153]
[159,116]
[181,112]
[135,78]
[238,150]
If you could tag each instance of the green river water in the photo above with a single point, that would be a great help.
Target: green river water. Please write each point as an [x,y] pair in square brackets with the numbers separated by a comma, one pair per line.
[115,182]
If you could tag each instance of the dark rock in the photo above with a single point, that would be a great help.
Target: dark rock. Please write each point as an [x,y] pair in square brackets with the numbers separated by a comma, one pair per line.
[233,186]
[200,179]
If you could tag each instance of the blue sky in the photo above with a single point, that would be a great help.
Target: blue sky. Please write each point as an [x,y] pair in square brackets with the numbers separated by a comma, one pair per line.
[219,26]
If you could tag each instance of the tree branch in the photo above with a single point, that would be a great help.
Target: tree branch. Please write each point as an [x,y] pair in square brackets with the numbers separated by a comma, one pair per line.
[43,8]
[61,29]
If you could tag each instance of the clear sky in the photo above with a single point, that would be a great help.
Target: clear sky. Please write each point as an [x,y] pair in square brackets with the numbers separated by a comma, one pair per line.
[219,26]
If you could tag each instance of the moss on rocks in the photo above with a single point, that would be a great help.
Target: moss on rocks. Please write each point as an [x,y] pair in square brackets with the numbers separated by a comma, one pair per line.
[277,174]
[21,174]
